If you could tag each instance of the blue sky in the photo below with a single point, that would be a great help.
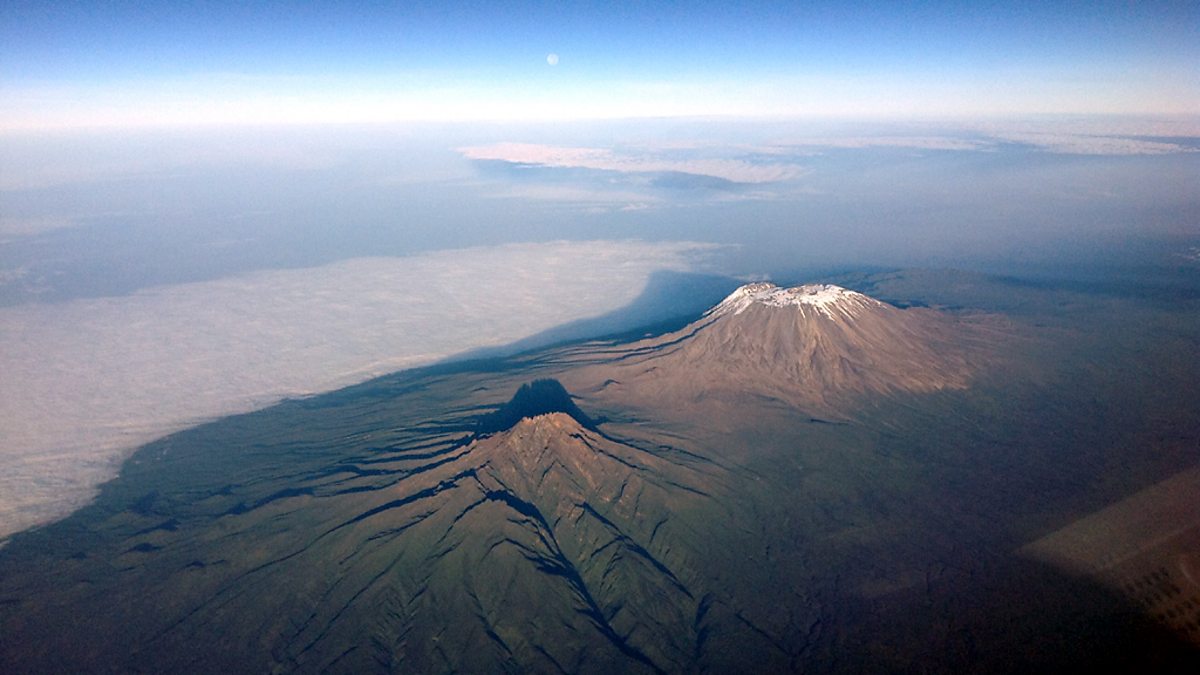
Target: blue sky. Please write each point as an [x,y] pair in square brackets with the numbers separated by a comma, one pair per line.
[81,63]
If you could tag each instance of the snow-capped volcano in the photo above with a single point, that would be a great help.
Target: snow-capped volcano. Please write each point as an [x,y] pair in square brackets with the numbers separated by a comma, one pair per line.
[818,347]
[828,300]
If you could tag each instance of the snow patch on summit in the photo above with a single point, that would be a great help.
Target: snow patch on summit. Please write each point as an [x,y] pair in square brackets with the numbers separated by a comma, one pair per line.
[828,300]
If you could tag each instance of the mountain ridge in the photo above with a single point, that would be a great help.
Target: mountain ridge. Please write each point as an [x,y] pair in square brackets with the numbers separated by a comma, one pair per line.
[704,522]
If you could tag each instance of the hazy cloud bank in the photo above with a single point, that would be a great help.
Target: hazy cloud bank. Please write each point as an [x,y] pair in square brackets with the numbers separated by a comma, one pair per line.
[1099,135]
[601,159]
[866,142]
[88,380]
[789,159]
[1060,135]
[1086,144]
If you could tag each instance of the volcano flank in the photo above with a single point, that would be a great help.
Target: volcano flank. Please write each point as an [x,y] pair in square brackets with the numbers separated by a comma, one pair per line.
[818,348]
[801,479]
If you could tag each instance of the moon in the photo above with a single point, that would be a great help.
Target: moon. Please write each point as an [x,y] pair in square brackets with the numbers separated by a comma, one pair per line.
[552,59]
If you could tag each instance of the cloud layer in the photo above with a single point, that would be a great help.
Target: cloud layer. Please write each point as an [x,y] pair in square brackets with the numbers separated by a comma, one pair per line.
[600,159]
[88,380]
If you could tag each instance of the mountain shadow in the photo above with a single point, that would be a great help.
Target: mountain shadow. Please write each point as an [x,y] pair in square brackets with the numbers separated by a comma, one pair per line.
[540,397]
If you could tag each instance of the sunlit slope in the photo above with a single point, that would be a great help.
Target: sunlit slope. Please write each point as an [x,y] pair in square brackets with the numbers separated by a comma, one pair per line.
[591,508]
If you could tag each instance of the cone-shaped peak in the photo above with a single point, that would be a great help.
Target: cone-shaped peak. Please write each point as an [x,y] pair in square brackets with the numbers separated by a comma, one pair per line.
[820,348]
[539,397]
[826,299]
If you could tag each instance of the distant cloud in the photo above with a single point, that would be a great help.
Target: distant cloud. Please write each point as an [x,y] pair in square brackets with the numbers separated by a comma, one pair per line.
[1046,141]
[601,159]
[1081,144]
[13,274]
[87,380]
[576,195]
[916,142]
[19,227]
[1098,135]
